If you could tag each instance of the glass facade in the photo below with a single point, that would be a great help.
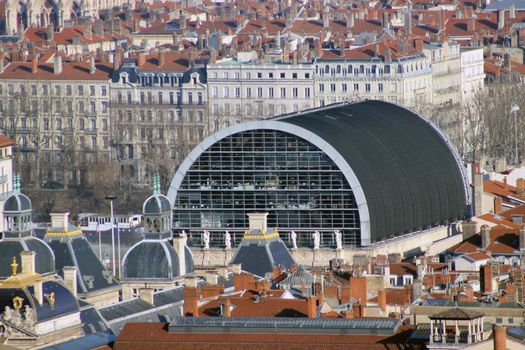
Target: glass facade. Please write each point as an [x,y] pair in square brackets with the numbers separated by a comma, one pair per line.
[266,170]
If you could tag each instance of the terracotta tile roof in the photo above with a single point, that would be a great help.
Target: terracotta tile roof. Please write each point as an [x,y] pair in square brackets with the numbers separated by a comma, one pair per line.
[478,256]
[256,27]
[6,141]
[403,269]
[174,61]
[257,307]
[367,52]
[503,241]
[498,219]
[499,188]
[65,37]
[70,71]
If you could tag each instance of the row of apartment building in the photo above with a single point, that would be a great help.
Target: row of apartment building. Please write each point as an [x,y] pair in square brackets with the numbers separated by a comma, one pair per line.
[149,110]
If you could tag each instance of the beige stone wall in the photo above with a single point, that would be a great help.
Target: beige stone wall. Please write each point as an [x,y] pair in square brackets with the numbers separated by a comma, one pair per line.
[104,298]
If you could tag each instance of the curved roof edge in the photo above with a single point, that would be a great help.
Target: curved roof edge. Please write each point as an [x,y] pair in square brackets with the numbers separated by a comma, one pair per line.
[277,125]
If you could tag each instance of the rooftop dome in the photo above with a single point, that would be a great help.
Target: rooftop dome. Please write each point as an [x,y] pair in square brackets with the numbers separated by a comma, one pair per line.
[151,260]
[156,204]
[17,202]
[44,260]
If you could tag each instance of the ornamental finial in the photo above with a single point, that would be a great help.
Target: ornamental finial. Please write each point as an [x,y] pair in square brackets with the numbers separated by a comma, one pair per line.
[156,184]
[14,266]
[16,183]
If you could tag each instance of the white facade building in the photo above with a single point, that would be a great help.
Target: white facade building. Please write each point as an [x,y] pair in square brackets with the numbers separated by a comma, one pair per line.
[472,71]
[6,173]
[240,92]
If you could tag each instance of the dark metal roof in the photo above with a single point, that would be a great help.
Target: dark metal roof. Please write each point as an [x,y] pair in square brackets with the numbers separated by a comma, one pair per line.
[409,175]
[17,202]
[151,259]
[456,313]
[91,341]
[44,261]
[259,256]
[375,326]
[156,204]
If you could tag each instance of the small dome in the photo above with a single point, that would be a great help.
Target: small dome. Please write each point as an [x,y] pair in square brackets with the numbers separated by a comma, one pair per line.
[44,259]
[156,204]
[151,260]
[17,202]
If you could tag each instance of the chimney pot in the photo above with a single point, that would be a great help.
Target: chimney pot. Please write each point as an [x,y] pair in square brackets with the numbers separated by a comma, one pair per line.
[34,65]
[28,261]
[57,67]
[92,67]
[60,221]
[146,295]
[500,338]
[70,279]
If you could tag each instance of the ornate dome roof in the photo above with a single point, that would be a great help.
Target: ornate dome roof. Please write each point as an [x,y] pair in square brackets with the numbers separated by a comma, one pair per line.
[17,202]
[44,260]
[156,204]
[151,260]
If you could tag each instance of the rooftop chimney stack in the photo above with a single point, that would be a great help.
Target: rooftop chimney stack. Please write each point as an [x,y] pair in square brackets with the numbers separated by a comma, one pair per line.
[147,295]
[501,19]
[522,238]
[60,221]
[92,67]
[86,28]
[34,65]
[28,262]
[50,35]
[2,63]
[469,228]
[512,11]
[500,338]
[384,20]
[381,300]
[408,22]
[388,55]
[162,58]
[57,63]
[180,248]
[70,279]
[39,292]
[326,17]
[99,28]
[349,20]
[485,236]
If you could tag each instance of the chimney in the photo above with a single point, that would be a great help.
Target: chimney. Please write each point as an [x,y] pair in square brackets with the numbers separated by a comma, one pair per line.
[326,17]
[349,20]
[28,262]
[485,236]
[388,55]
[418,44]
[381,300]
[471,24]
[408,22]
[478,189]
[500,338]
[258,221]
[512,11]
[146,295]
[498,205]
[57,63]
[116,26]
[92,67]
[136,26]
[70,279]
[162,58]
[179,244]
[2,64]
[182,22]
[359,310]
[86,28]
[50,32]
[501,19]
[358,289]
[60,221]
[469,228]
[235,268]
[99,28]
[441,21]
[227,312]
[384,20]
[34,65]
[505,184]
[191,301]
[486,279]
[312,307]
[39,292]
[522,238]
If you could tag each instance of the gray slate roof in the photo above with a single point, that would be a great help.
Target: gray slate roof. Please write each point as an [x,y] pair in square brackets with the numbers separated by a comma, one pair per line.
[44,260]
[409,175]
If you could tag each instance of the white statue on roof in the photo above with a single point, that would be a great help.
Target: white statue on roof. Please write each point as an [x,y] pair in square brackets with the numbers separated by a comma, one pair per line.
[294,240]
[228,240]
[338,239]
[317,239]
[206,239]
[184,238]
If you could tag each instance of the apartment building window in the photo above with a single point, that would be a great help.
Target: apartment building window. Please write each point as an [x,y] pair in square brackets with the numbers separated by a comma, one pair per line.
[215,91]
[105,124]
[58,106]
[104,107]
[270,75]
[248,92]
[142,97]
[45,90]
[200,117]
[367,87]
[150,99]
[248,75]
[190,98]
[295,92]
[237,92]
[150,116]
[22,90]
[81,124]
[283,92]
[160,97]
[80,90]
[81,106]
[92,90]
[68,90]
[237,109]
[387,69]
[283,109]
[129,97]
[260,92]
[93,142]
[307,75]
[270,92]
[119,97]
[172,100]
[294,75]
[306,92]
[103,91]
[214,75]
[344,87]
[321,87]
[93,108]
[57,90]
[33,90]
[225,75]
[332,87]
[259,75]
[237,75]
[199,98]
[58,124]
[179,98]
[226,92]
[106,142]
[283,75]
[380,87]
[69,106]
